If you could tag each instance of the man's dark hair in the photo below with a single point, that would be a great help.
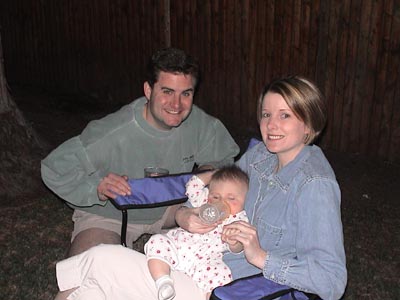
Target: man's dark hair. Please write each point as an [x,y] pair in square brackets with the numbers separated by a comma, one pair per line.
[171,60]
[231,172]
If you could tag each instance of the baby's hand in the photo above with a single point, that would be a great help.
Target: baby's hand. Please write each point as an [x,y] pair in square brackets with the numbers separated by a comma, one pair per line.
[227,234]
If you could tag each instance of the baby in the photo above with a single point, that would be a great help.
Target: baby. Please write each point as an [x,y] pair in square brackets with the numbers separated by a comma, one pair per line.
[200,255]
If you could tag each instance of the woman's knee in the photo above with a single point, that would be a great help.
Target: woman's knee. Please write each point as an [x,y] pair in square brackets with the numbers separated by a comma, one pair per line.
[107,252]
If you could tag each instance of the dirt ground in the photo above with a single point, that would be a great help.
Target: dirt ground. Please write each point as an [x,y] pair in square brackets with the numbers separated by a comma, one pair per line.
[370,193]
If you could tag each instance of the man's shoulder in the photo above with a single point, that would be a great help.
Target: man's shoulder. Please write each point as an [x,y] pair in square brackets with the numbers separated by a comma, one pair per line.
[199,116]
[111,123]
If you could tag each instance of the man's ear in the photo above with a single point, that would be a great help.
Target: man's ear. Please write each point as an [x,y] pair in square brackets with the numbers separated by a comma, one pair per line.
[147,90]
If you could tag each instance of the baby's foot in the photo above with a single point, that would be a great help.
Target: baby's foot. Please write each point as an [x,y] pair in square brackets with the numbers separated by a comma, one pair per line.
[165,287]
[166,292]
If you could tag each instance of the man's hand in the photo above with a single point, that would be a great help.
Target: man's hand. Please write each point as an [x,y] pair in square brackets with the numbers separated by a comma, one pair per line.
[188,219]
[113,185]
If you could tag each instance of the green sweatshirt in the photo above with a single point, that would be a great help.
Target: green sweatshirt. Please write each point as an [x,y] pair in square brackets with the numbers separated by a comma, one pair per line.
[124,143]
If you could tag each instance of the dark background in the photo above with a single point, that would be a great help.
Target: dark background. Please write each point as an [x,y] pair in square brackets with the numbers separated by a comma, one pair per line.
[99,49]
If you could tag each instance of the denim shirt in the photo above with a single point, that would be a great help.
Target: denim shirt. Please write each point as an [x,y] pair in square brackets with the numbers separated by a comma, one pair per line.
[297,215]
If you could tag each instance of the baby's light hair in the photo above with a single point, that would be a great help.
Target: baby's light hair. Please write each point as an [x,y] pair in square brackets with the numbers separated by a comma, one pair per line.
[231,173]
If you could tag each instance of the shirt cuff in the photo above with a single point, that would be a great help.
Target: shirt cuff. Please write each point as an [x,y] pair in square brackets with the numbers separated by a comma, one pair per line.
[93,182]
[275,268]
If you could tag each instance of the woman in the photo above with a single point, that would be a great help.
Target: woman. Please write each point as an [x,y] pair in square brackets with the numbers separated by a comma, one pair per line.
[295,233]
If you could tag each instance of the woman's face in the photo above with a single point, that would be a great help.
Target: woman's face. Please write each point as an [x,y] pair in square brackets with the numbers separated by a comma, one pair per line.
[282,132]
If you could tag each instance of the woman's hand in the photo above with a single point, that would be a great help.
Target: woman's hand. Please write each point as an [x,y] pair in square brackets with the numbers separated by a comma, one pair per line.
[234,245]
[246,234]
[113,185]
[188,219]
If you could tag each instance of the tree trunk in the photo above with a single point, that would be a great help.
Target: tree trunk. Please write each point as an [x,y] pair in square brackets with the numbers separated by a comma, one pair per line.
[20,151]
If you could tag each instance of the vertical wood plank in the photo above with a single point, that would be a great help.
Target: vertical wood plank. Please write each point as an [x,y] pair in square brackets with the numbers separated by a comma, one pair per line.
[360,76]
[166,22]
[322,46]
[331,63]
[373,33]
[295,63]
[270,39]
[315,15]
[279,49]
[389,137]
[340,70]
[349,86]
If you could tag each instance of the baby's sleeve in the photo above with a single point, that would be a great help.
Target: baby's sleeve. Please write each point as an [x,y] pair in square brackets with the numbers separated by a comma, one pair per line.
[196,191]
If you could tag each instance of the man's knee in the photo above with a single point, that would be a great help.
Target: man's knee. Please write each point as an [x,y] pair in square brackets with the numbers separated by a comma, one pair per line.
[92,237]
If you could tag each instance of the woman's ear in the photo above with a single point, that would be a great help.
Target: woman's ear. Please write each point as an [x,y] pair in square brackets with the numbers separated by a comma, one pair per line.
[147,90]
[307,129]
[307,135]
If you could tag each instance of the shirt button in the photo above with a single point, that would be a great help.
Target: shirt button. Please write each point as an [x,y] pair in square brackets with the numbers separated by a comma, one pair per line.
[271,183]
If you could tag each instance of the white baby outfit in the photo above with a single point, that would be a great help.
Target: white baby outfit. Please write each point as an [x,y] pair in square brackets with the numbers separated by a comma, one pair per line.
[197,255]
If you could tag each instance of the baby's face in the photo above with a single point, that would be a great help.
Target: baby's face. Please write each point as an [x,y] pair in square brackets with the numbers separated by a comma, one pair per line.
[232,192]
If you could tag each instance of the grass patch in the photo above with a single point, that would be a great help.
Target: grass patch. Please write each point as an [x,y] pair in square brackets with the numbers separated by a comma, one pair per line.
[36,235]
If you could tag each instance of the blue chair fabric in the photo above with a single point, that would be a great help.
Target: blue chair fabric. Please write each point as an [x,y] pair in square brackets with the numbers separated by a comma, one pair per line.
[257,287]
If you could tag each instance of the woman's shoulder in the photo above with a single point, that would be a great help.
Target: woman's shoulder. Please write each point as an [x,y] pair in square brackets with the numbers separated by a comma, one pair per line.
[315,164]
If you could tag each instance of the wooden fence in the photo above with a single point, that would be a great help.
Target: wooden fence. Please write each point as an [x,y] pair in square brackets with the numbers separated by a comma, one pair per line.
[100,47]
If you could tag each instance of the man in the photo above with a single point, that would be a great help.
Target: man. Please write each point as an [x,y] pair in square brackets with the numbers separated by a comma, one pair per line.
[162,129]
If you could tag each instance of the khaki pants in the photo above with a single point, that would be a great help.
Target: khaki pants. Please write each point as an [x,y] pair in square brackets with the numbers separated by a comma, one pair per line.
[118,273]
[84,220]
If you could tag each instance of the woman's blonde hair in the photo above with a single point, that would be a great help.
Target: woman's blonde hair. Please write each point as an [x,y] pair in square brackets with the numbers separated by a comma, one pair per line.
[303,98]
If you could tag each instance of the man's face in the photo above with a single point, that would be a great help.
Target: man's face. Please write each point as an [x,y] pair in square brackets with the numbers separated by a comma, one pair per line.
[169,101]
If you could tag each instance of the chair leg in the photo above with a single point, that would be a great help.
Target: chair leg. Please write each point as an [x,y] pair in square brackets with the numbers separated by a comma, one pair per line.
[123,227]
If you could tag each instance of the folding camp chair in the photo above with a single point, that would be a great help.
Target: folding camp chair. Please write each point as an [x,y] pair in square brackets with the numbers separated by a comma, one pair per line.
[151,192]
